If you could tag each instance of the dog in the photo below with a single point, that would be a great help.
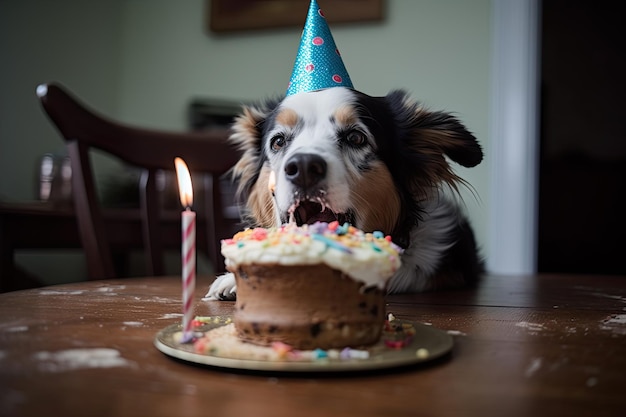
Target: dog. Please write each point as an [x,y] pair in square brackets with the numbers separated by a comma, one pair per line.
[378,163]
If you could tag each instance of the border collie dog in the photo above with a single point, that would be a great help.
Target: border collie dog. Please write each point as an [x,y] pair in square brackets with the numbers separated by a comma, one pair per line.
[379,163]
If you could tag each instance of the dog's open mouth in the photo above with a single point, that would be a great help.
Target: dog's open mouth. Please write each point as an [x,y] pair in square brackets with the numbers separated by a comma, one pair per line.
[309,212]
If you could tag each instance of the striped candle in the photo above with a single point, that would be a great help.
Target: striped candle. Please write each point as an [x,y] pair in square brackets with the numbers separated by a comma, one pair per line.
[188,252]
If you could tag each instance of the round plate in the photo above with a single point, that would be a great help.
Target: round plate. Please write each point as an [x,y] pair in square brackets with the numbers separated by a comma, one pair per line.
[427,344]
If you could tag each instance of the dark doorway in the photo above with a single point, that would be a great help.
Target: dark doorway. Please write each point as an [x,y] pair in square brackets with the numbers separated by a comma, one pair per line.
[582,186]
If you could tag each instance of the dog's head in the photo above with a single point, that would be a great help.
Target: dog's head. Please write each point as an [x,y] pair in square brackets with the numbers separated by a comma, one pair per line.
[338,154]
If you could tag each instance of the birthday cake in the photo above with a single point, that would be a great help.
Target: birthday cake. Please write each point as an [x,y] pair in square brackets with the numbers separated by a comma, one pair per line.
[316,286]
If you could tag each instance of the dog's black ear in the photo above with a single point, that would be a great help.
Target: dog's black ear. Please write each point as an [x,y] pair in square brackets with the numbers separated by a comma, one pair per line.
[431,132]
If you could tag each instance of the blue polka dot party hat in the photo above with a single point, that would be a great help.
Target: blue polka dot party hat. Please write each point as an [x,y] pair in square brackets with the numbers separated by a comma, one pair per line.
[318,63]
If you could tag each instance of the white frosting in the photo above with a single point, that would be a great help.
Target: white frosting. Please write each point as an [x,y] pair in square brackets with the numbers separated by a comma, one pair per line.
[366,257]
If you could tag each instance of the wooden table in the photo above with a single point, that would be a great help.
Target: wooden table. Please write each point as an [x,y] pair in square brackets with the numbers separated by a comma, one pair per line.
[523,346]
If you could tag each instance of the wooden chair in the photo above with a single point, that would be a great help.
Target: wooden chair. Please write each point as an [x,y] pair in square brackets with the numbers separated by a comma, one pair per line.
[207,155]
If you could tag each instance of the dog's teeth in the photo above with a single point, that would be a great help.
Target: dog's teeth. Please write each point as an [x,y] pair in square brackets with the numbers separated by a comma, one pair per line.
[321,203]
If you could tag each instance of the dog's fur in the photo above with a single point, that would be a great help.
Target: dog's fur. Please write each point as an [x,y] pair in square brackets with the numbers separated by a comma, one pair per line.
[376,162]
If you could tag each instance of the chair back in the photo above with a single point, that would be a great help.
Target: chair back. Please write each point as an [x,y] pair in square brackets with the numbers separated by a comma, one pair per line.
[207,154]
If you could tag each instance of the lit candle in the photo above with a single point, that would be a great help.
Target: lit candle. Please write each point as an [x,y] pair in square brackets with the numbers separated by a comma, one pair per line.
[188,252]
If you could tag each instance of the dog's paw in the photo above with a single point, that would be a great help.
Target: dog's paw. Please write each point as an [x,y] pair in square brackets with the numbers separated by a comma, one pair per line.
[223,288]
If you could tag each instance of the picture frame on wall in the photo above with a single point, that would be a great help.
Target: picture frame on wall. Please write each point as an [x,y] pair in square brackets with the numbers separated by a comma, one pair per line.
[241,15]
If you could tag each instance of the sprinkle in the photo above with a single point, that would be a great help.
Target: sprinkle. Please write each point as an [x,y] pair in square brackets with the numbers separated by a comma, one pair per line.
[333,225]
[318,227]
[331,243]
[186,338]
[296,355]
[342,230]
[282,349]
[391,317]
[359,354]
[333,354]
[348,353]
[422,353]
[320,354]
[200,345]
[259,234]
[395,344]
[378,234]
[345,354]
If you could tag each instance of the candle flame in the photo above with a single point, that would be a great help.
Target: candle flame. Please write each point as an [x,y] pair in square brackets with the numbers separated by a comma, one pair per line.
[271,183]
[185,188]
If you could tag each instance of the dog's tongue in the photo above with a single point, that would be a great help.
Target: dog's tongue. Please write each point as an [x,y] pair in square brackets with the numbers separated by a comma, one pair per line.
[309,213]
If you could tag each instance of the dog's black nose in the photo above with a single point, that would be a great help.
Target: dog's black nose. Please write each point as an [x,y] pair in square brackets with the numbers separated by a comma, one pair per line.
[305,169]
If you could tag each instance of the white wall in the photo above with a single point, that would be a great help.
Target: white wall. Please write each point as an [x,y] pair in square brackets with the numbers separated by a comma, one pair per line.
[142,61]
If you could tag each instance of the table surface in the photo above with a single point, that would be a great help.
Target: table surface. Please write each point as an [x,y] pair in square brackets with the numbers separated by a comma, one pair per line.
[523,345]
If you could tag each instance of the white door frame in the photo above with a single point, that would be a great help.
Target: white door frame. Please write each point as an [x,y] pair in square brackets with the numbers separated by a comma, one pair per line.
[514,118]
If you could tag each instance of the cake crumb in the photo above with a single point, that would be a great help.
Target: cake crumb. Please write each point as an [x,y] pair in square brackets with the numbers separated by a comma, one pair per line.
[223,342]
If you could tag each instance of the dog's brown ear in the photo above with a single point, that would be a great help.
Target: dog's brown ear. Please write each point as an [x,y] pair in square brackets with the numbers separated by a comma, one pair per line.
[247,135]
[444,132]
[424,138]
[455,140]
[249,172]
[435,131]
[247,128]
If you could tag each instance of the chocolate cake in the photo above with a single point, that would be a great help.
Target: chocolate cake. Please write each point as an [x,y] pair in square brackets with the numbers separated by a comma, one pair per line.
[316,286]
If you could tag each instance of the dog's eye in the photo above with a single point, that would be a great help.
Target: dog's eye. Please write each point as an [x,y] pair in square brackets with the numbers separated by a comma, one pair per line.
[356,138]
[277,142]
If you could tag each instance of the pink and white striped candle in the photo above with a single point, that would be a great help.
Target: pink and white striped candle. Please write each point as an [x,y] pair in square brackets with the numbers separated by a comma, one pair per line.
[188,252]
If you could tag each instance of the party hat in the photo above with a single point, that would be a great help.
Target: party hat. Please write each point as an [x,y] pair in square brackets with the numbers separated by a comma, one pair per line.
[318,63]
